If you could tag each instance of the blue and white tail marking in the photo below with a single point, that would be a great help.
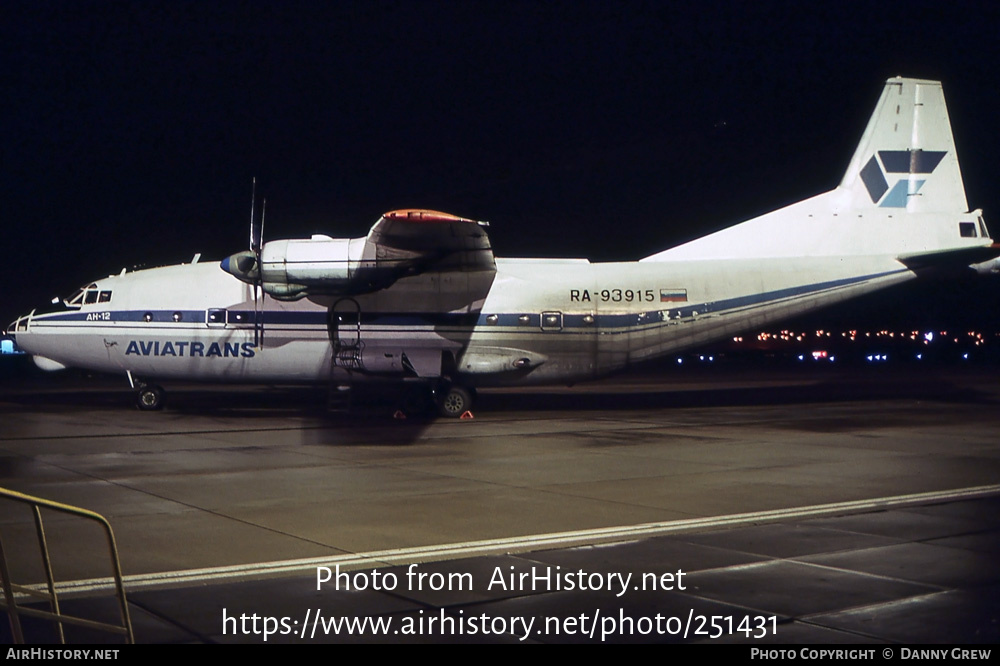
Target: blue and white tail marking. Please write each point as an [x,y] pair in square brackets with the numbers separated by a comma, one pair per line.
[902,195]
[908,153]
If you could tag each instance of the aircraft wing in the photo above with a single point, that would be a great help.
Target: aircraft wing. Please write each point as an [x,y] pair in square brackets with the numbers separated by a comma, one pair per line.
[427,238]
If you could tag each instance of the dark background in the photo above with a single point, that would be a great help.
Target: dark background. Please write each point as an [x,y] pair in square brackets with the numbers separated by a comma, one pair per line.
[610,130]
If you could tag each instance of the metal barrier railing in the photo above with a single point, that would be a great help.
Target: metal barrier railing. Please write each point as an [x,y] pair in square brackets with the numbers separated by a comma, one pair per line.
[11,591]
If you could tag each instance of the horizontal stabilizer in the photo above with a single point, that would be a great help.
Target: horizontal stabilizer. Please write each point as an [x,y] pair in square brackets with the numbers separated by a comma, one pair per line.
[965,256]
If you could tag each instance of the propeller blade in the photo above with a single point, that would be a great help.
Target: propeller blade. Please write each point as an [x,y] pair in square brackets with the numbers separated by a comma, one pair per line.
[254,240]
[243,264]
[259,323]
[260,231]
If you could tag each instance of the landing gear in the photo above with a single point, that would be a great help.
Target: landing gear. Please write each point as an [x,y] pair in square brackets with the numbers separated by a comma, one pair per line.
[149,397]
[453,401]
[448,400]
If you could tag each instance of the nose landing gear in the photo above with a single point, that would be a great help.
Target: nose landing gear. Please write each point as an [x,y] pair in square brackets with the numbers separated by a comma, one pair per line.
[149,397]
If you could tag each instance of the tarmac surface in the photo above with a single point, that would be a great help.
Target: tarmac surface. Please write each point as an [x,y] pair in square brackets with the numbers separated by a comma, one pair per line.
[808,507]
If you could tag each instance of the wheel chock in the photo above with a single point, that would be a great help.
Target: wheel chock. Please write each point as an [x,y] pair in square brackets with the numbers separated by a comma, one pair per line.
[466,416]
[399,415]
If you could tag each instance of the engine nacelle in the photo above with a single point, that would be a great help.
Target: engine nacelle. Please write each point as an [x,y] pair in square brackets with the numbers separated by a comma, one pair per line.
[319,259]
[290,269]
[401,242]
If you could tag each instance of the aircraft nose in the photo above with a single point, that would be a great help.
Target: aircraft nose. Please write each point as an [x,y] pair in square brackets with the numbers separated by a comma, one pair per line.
[19,324]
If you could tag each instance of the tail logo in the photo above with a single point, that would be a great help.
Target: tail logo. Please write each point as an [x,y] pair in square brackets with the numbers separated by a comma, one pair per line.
[907,162]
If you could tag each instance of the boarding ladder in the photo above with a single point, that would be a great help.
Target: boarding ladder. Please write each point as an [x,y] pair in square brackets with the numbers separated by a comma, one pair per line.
[347,353]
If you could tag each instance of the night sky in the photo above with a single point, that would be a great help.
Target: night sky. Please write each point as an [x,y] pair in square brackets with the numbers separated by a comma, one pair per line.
[609,130]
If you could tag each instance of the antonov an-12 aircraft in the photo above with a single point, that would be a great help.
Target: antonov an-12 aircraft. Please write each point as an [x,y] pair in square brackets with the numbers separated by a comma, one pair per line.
[422,300]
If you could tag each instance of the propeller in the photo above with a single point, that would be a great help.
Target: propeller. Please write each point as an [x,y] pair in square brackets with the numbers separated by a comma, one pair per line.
[256,242]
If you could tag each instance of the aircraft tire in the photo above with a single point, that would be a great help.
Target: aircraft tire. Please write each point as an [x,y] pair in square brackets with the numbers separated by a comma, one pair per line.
[454,402]
[149,398]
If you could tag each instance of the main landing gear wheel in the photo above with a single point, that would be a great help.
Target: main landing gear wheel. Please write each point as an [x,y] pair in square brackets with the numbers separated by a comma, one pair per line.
[149,397]
[455,401]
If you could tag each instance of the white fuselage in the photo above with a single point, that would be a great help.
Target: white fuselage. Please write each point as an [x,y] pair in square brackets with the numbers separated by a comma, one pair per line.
[569,319]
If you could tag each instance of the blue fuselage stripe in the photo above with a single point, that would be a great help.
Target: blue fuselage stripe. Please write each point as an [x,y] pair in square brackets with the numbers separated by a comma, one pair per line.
[242,319]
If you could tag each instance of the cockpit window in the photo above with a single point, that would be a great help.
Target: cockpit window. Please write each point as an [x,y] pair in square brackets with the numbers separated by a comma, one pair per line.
[76,300]
[87,296]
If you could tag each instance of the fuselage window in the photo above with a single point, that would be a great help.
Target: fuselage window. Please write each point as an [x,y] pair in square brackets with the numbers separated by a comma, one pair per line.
[552,321]
[967,229]
[105,297]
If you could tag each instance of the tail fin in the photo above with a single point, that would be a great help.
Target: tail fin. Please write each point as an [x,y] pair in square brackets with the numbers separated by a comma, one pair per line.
[906,158]
[902,195]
